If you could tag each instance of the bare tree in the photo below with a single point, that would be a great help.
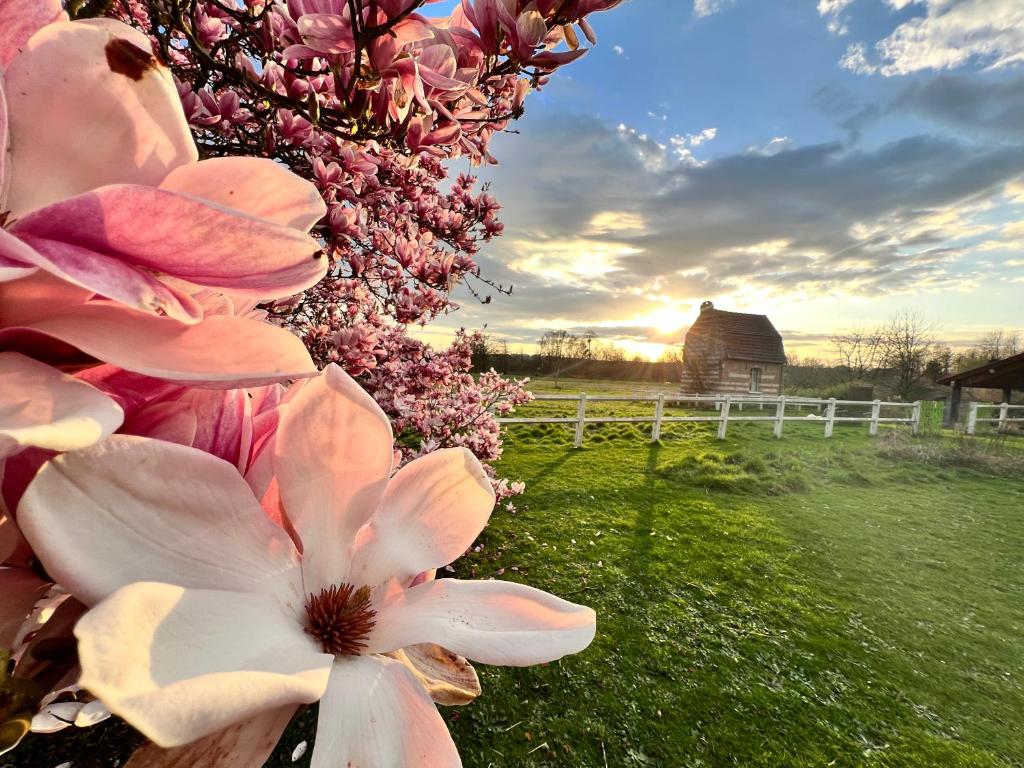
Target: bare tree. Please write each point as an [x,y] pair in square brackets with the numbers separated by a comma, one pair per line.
[859,351]
[608,351]
[671,354]
[998,344]
[907,341]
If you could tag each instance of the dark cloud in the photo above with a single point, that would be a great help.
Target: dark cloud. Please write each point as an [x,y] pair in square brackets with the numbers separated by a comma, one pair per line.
[973,105]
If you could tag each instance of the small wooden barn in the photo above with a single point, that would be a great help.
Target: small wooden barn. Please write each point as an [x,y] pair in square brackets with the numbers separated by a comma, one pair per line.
[732,353]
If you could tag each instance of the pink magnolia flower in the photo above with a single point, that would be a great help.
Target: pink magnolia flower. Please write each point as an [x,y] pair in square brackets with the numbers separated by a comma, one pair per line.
[44,408]
[207,615]
[109,232]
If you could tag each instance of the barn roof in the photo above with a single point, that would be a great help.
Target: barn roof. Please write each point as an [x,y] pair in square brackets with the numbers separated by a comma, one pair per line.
[744,337]
[1007,373]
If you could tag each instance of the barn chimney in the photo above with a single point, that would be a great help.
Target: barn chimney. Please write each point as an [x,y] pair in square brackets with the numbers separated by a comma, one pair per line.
[706,305]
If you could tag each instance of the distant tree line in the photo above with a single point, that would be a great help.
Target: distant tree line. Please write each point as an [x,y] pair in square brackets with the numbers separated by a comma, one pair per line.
[900,357]
[562,353]
[903,355]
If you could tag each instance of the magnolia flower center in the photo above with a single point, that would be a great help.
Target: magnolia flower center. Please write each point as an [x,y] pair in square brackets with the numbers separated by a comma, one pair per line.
[341,618]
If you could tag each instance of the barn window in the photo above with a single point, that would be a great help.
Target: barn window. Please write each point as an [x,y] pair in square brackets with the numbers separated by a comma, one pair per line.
[755,379]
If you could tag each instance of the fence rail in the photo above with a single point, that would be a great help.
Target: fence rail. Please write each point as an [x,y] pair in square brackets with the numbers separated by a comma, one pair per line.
[724,404]
[1001,421]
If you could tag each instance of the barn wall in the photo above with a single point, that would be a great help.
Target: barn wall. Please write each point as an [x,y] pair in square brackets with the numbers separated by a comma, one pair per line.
[735,378]
[703,356]
[732,377]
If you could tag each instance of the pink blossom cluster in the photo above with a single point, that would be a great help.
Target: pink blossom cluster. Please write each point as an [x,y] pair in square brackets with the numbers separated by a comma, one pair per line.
[199,531]
[434,401]
[371,100]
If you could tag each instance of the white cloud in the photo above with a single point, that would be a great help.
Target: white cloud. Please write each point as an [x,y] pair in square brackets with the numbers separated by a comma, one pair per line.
[618,50]
[696,139]
[832,10]
[772,147]
[569,261]
[832,7]
[683,145]
[856,60]
[702,8]
[951,34]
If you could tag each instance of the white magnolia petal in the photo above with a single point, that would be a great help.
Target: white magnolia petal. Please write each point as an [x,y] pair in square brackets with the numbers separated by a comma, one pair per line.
[180,664]
[493,622]
[134,509]
[243,745]
[253,185]
[100,77]
[93,713]
[376,715]
[332,457]
[40,406]
[56,717]
[433,509]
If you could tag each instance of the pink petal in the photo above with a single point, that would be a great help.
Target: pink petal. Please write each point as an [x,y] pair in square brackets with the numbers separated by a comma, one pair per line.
[112,278]
[134,509]
[411,29]
[220,351]
[326,33]
[40,406]
[15,256]
[255,186]
[432,511]
[174,422]
[332,458]
[179,664]
[21,589]
[142,226]
[20,20]
[4,138]
[493,622]
[243,745]
[99,76]
[10,537]
[376,715]
[225,423]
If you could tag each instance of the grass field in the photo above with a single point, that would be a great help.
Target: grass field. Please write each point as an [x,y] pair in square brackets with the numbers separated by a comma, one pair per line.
[804,602]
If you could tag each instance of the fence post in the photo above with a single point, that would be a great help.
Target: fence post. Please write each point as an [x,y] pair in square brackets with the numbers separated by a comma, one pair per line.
[723,422]
[915,424]
[830,417]
[1004,412]
[972,418]
[659,411]
[876,411]
[581,414]
[780,415]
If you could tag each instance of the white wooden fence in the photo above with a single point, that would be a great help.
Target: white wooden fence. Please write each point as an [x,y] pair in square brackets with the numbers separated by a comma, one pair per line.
[1001,421]
[725,405]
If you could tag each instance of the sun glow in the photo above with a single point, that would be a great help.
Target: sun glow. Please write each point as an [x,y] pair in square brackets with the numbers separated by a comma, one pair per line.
[667,319]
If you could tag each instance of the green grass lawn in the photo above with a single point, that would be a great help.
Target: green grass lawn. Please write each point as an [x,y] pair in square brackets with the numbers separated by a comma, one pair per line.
[795,603]
[803,602]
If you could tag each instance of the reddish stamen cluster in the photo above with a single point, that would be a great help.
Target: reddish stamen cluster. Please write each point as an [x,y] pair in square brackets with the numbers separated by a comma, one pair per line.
[341,618]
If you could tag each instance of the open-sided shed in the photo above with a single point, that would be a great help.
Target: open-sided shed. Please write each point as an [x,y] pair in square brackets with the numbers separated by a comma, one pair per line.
[1006,374]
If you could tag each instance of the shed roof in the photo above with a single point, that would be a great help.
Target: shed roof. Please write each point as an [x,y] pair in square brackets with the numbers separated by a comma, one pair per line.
[744,336]
[1007,373]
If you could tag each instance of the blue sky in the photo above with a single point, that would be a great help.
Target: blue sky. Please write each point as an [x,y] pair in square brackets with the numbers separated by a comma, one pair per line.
[824,163]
